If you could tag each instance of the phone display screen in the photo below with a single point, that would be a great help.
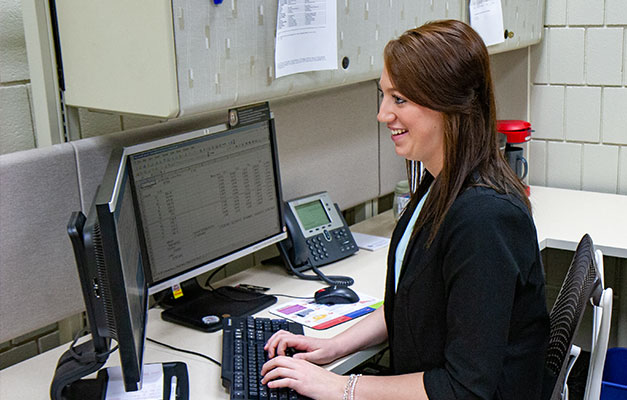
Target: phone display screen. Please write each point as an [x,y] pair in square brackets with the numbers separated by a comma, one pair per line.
[312,214]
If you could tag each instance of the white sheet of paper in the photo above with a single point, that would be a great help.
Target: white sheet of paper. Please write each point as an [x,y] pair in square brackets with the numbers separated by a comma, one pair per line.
[152,384]
[486,17]
[370,242]
[306,36]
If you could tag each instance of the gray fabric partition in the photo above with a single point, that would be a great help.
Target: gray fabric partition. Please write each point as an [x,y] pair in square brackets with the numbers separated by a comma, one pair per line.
[328,141]
[39,189]
[38,280]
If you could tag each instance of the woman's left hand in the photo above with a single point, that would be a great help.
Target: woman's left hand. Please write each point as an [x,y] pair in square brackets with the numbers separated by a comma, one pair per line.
[304,377]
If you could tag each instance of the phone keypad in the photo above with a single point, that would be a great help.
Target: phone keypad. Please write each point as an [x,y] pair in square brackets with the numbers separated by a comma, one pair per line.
[317,248]
[339,241]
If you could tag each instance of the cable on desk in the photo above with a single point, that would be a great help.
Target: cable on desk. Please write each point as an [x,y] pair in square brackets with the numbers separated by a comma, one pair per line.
[208,284]
[290,296]
[185,351]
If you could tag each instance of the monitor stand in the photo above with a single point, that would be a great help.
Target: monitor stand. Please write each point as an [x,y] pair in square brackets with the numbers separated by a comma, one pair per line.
[204,310]
[73,365]
[68,382]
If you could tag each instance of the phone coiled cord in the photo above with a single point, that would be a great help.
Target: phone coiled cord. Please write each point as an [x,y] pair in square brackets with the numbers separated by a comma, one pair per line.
[333,280]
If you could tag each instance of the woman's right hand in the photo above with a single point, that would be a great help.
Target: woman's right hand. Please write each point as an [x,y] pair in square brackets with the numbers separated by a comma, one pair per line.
[315,350]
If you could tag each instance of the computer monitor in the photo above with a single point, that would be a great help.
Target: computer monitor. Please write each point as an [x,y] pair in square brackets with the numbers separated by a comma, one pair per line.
[205,198]
[109,259]
[165,212]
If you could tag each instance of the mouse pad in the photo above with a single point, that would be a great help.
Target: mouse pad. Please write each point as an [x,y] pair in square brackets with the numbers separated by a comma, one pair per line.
[324,316]
[206,312]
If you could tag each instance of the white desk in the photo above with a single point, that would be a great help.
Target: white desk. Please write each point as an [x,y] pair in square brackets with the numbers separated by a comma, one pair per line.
[30,380]
[561,216]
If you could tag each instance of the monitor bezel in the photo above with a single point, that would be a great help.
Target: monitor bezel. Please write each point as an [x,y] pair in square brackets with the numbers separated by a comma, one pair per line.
[192,272]
[104,287]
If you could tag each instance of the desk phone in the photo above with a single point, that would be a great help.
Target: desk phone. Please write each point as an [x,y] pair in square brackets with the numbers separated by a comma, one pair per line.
[317,232]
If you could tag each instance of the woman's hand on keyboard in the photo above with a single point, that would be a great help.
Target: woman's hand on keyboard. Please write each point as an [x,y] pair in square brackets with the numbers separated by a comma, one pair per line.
[304,377]
[315,350]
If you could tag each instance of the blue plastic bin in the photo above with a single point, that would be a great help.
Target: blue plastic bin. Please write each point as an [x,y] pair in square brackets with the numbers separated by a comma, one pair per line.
[614,385]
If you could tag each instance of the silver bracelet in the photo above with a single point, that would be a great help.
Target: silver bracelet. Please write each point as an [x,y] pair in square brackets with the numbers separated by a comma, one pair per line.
[349,389]
[353,385]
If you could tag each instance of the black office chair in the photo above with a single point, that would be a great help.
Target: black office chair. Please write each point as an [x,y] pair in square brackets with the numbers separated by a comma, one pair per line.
[579,285]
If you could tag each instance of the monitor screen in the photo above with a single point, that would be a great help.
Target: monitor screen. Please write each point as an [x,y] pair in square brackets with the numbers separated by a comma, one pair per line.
[205,198]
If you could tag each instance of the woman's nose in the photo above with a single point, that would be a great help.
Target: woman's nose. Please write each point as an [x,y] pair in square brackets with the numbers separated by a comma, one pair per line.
[384,114]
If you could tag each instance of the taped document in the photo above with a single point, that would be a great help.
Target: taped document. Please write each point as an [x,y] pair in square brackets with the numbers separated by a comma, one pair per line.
[486,17]
[306,36]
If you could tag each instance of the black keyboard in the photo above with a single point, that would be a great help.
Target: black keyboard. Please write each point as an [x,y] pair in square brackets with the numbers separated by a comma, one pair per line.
[243,356]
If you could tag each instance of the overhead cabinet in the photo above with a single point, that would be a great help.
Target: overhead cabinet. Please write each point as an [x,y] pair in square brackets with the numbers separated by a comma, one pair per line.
[169,58]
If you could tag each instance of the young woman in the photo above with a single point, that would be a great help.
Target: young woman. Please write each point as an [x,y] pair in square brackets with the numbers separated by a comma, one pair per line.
[465,312]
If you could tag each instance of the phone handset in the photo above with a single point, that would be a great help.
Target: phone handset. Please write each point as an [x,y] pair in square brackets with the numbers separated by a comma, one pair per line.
[317,235]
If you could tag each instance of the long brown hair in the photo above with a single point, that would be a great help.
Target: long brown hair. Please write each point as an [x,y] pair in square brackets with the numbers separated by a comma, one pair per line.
[445,66]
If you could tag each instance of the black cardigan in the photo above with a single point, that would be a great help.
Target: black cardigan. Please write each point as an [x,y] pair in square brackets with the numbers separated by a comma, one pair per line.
[470,311]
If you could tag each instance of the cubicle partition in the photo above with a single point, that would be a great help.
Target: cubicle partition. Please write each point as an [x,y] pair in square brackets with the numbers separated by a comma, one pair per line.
[38,282]
[339,153]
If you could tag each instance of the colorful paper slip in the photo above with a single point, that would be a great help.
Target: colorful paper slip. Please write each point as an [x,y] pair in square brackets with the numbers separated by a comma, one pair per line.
[323,316]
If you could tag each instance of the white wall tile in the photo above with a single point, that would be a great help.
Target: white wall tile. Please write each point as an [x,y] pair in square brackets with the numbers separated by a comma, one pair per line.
[537,162]
[566,55]
[585,12]
[564,165]
[600,168]
[604,50]
[97,123]
[583,114]
[622,170]
[13,60]
[614,116]
[16,127]
[615,12]
[539,56]
[555,13]
[547,112]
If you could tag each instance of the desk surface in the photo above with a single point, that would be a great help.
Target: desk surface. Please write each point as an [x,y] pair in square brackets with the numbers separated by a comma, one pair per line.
[31,379]
[561,216]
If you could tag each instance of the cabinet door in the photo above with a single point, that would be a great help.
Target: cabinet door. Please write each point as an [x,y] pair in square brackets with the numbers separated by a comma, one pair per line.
[523,23]
[119,55]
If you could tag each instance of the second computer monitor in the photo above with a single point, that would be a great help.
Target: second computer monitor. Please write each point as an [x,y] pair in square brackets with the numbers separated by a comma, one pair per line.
[205,198]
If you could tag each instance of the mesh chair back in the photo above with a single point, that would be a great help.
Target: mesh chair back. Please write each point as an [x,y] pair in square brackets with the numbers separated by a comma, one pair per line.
[567,313]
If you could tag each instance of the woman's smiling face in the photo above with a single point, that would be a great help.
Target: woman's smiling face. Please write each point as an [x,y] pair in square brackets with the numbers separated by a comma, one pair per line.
[417,131]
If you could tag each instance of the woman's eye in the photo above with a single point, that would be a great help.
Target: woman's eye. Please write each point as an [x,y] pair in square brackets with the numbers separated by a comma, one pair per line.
[398,100]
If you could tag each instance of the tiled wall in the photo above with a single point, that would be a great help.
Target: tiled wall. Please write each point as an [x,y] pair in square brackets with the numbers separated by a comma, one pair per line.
[16,126]
[578,97]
